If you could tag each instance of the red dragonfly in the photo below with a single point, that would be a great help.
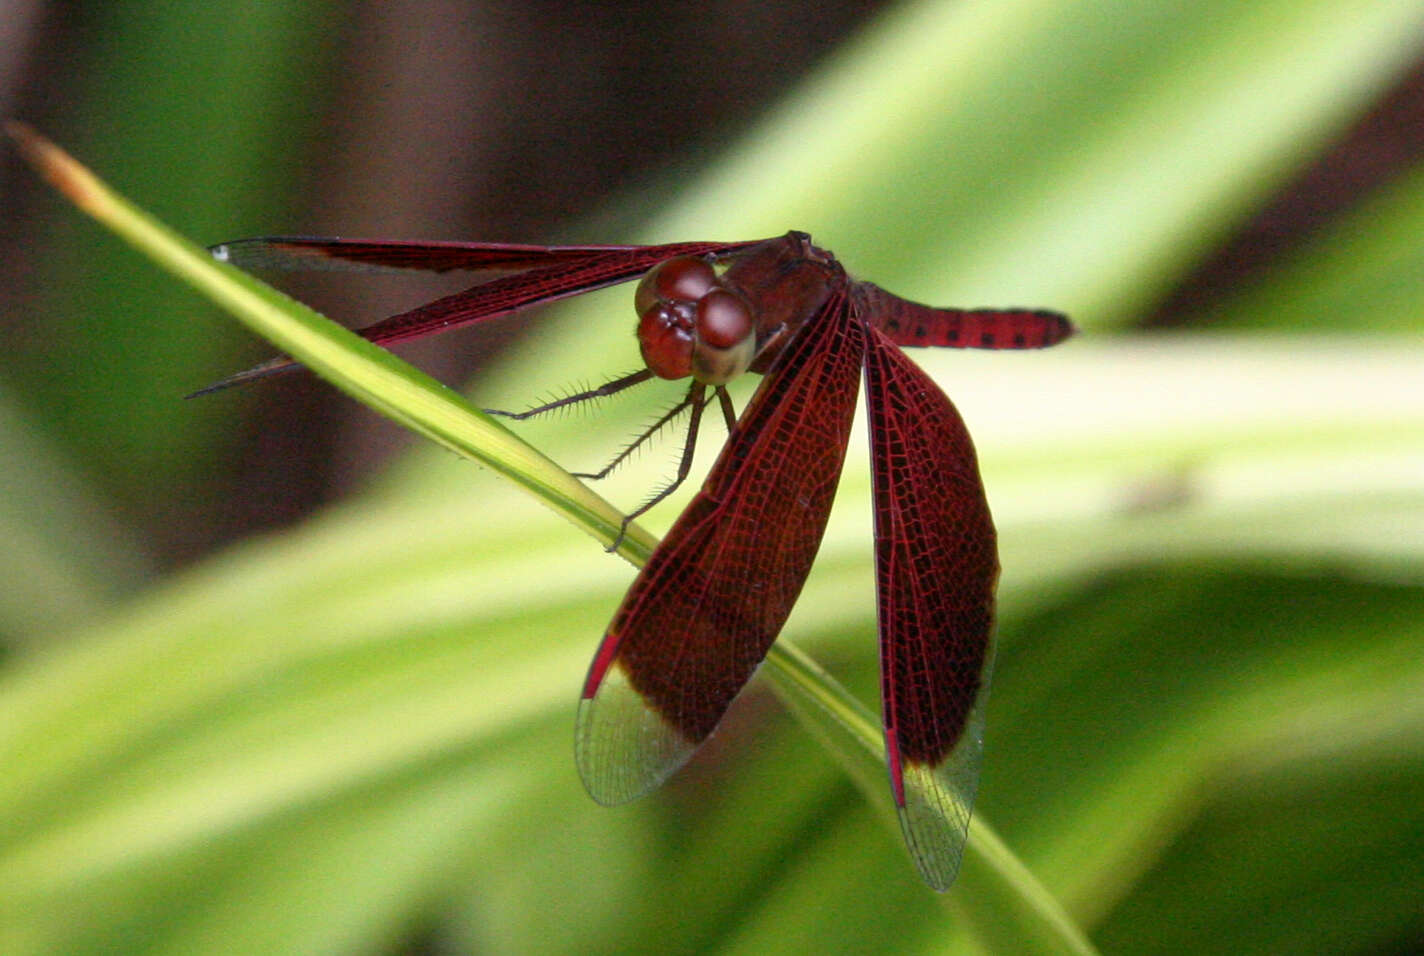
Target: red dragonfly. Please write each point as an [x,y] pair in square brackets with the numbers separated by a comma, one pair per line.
[706,608]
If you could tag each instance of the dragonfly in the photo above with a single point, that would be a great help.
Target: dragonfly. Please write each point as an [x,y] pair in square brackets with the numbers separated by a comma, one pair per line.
[704,611]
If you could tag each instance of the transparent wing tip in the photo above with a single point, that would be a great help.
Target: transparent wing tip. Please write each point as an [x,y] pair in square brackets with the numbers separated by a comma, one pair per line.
[623,747]
[935,822]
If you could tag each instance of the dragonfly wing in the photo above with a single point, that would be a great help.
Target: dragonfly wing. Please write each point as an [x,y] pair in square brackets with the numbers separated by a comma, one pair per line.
[537,286]
[936,569]
[705,610]
[545,274]
[300,253]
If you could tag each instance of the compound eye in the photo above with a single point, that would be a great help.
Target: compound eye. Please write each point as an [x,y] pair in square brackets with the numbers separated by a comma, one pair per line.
[725,340]
[680,279]
[665,340]
[723,319]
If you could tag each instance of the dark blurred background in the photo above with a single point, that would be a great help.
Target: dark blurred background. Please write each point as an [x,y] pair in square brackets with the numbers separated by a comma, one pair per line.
[515,121]
[504,121]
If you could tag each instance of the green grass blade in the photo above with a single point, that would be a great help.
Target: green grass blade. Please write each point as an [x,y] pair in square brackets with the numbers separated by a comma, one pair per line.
[367,373]
[371,375]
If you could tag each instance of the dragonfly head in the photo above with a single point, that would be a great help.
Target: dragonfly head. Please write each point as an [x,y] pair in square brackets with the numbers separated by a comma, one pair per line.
[691,324]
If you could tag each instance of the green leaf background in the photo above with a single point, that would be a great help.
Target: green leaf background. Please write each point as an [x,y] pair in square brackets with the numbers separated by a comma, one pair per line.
[1207,726]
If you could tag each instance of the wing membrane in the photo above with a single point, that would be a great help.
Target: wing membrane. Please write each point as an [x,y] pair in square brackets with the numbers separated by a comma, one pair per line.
[936,565]
[511,293]
[549,273]
[704,611]
[384,255]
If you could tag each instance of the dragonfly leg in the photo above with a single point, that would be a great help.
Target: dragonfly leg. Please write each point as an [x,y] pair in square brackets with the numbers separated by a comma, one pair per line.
[602,391]
[729,414]
[636,443]
[697,400]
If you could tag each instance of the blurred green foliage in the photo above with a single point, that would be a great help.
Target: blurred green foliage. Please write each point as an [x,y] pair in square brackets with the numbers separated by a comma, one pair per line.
[1206,732]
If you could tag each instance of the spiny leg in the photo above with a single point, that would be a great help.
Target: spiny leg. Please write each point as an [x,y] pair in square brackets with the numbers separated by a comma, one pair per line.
[637,443]
[696,398]
[602,391]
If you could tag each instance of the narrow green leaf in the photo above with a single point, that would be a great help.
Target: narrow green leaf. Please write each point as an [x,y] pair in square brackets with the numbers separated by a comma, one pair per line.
[388,385]
[367,373]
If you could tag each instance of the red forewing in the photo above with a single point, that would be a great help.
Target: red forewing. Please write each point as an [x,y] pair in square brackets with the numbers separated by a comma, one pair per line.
[936,568]
[379,255]
[543,274]
[537,286]
[705,610]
